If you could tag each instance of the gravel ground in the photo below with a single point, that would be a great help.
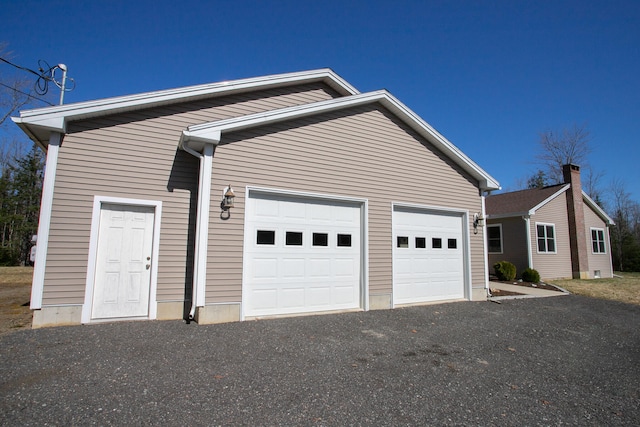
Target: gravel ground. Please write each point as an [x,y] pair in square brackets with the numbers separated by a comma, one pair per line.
[547,361]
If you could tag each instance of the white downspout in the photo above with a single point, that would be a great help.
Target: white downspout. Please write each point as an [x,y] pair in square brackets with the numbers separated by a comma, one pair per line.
[202,225]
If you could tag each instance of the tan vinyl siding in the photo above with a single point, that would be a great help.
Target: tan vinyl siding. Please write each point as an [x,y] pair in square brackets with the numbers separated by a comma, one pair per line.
[553,265]
[514,246]
[597,261]
[135,155]
[359,153]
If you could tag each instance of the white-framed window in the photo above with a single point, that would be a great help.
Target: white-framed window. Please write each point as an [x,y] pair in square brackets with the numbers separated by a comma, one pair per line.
[494,238]
[597,241]
[546,238]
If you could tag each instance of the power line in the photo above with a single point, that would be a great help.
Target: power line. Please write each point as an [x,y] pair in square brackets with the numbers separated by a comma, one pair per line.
[25,93]
[21,67]
[46,74]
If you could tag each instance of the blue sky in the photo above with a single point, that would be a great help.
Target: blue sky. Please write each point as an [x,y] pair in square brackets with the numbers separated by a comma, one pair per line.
[489,75]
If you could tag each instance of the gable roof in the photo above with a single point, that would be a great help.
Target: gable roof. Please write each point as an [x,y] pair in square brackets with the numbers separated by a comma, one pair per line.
[523,202]
[527,202]
[194,137]
[39,123]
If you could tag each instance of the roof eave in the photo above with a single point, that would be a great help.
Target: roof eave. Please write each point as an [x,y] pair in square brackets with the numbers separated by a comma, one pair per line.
[485,181]
[599,211]
[39,123]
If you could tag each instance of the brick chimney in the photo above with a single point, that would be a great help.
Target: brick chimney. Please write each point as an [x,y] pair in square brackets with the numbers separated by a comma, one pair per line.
[577,233]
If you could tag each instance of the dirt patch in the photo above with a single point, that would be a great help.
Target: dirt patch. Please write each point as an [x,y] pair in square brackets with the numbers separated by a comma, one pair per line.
[15,293]
[501,293]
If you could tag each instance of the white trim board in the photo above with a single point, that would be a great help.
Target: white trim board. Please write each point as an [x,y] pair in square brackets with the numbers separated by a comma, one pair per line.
[37,123]
[44,222]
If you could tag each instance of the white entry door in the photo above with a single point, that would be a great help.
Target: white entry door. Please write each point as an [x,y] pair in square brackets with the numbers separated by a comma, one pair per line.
[301,256]
[123,264]
[428,256]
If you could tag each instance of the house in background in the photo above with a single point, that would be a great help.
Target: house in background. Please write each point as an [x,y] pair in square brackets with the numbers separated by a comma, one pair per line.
[558,230]
[279,195]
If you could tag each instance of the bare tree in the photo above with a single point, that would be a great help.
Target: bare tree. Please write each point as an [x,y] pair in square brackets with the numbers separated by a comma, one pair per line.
[15,92]
[558,148]
[591,185]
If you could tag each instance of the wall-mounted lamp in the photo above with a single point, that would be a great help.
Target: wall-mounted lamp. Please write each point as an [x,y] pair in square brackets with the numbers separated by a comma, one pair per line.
[478,221]
[228,197]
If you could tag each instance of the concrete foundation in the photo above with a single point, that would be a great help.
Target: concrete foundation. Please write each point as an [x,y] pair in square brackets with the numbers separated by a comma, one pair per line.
[380,302]
[171,310]
[478,294]
[218,313]
[57,316]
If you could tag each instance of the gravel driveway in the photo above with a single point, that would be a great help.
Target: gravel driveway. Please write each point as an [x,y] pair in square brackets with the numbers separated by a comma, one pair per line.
[547,361]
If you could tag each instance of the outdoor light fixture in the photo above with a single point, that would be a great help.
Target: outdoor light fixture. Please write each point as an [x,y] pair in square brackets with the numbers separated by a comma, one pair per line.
[478,221]
[228,199]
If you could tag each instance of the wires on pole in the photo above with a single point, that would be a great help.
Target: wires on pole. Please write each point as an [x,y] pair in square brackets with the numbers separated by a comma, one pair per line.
[47,74]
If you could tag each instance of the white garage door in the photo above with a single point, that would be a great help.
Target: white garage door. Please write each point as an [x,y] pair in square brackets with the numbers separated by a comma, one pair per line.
[428,256]
[301,256]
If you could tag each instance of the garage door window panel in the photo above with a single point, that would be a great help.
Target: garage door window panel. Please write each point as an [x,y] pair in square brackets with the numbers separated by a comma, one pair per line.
[452,243]
[266,237]
[293,238]
[320,239]
[344,240]
[436,243]
[403,241]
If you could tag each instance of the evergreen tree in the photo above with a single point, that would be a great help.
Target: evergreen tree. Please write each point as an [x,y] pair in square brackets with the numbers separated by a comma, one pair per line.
[20,192]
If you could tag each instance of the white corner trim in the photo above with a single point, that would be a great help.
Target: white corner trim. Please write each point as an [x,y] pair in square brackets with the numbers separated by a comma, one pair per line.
[527,223]
[533,210]
[98,201]
[485,249]
[44,222]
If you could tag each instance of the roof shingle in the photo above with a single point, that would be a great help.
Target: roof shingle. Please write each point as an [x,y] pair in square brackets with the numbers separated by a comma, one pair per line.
[517,202]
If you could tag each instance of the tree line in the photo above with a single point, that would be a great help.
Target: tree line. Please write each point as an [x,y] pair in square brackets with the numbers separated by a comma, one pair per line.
[20,192]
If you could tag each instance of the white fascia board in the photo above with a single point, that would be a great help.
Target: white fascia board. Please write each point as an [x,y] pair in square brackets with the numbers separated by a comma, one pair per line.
[213,130]
[509,215]
[487,182]
[533,210]
[593,205]
[56,118]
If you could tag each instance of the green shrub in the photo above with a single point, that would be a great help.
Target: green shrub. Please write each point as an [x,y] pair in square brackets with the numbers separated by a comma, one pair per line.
[531,275]
[505,270]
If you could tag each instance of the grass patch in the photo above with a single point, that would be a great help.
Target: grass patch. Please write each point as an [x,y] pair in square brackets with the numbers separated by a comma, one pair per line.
[624,289]
[16,276]
[15,292]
